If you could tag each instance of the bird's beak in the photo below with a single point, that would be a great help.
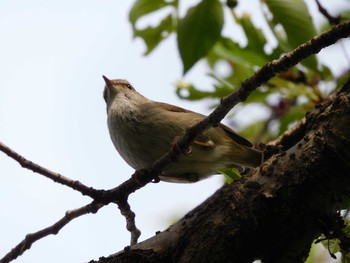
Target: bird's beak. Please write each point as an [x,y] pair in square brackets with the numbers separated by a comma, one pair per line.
[107,81]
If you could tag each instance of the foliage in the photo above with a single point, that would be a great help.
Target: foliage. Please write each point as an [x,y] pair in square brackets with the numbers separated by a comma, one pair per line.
[334,245]
[200,36]
[231,174]
[287,97]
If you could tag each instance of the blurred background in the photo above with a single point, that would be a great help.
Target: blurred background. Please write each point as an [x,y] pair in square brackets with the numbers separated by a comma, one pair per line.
[53,55]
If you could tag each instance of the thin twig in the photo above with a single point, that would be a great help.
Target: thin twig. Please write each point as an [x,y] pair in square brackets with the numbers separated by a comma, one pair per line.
[331,19]
[56,177]
[28,241]
[76,185]
[130,221]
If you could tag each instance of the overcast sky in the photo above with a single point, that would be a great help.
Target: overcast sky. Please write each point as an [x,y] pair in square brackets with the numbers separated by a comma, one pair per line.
[53,55]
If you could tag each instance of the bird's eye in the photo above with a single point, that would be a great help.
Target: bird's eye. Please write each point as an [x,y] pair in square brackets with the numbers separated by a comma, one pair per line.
[130,87]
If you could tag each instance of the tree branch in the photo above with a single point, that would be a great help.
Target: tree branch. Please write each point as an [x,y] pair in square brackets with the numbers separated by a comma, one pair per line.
[331,19]
[56,177]
[142,177]
[28,241]
[121,201]
[272,214]
[248,86]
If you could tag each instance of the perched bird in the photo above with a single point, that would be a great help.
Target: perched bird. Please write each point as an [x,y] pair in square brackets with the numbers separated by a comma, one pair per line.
[142,130]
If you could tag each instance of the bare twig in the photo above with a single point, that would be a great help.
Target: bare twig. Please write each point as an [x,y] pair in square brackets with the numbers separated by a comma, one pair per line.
[76,185]
[26,243]
[331,19]
[142,177]
[130,221]
[56,177]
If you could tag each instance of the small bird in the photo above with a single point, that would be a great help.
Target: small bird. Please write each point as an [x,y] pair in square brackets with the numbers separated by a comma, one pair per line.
[142,130]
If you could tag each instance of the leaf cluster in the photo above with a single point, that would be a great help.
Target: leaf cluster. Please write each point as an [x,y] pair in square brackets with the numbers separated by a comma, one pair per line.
[288,23]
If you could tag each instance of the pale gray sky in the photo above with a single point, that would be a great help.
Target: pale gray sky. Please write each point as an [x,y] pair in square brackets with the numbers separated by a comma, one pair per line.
[51,111]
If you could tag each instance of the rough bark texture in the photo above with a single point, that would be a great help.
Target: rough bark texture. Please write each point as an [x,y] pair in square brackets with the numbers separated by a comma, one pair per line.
[275,212]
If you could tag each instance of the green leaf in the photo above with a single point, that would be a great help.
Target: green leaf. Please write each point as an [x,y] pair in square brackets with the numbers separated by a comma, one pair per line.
[294,114]
[253,130]
[154,35]
[231,174]
[346,230]
[345,205]
[331,244]
[144,7]
[294,17]
[346,226]
[259,96]
[232,52]
[326,73]
[189,92]
[345,258]
[198,31]
[256,38]
[241,62]
[342,79]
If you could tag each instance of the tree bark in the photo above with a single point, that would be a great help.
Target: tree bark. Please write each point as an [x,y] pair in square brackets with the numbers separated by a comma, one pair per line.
[275,212]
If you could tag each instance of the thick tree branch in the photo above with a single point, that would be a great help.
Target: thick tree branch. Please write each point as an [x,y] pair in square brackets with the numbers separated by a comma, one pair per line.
[275,212]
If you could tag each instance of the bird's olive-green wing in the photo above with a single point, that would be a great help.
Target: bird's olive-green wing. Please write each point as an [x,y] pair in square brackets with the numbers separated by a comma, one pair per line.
[203,140]
[170,107]
[236,137]
[206,141]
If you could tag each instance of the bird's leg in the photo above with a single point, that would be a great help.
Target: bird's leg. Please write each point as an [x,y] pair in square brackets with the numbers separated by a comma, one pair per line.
[138,177]
[175,146]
